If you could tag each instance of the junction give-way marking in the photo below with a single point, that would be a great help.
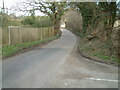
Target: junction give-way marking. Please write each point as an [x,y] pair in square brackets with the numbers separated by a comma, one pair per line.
[98,79]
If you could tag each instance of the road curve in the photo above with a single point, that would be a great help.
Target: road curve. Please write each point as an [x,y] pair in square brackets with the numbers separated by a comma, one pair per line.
[35,68]
[57,65]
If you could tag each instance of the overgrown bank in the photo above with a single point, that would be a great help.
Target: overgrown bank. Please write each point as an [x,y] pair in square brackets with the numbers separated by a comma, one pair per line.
[98,51]
[99,39]
[12,50]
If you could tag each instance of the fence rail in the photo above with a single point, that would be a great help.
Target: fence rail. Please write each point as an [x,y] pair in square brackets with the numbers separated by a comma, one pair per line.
[16,35]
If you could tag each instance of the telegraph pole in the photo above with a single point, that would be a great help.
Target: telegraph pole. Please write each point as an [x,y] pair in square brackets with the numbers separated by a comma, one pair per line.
[3,7]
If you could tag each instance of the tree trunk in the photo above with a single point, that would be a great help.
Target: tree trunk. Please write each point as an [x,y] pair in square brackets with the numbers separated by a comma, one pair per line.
[57,28]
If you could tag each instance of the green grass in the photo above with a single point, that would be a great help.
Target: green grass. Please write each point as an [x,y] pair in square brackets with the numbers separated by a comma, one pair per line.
[10,50]
[85,47]
[95,52]
[105,57]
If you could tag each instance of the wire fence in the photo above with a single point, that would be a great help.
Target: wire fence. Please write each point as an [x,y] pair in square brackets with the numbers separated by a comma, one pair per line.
[16,35]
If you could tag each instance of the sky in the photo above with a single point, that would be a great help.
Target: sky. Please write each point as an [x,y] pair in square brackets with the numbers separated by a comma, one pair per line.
[12,3]
[9,4]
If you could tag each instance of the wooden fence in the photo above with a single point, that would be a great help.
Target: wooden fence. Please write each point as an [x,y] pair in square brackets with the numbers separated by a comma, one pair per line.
[0,37]
[16,35]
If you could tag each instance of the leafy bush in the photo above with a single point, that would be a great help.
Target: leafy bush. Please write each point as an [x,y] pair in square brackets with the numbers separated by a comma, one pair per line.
[4,20]
[43,21]
[39,21]
[29,20]
[8,20]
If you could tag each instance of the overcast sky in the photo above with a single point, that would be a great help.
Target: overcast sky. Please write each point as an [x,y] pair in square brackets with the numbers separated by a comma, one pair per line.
[9,3]
[12,3]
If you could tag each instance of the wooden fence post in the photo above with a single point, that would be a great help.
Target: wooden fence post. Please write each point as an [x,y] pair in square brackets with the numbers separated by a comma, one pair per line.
[48,32]
[9,36]
[37,33]
[52,31]
[20,34]
[0,37]
[41,34]
[30,34]
[23,35]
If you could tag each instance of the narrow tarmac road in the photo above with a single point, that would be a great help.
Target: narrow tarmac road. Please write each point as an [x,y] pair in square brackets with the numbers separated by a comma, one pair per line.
[34,68]
[40,68]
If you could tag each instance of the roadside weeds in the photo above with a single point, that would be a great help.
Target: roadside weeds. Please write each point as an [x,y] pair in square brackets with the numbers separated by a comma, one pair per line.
[13,50]
[90,52]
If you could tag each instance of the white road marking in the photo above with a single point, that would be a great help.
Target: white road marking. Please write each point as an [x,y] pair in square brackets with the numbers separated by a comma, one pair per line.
[98,79]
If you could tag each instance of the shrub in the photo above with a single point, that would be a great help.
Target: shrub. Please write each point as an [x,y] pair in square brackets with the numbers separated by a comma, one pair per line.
[39,21]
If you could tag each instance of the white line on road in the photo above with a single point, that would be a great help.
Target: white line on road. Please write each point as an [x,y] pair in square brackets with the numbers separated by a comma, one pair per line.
[98,79]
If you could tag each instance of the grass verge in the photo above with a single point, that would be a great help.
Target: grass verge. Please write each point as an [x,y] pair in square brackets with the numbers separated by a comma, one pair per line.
[11,50]
[98,51]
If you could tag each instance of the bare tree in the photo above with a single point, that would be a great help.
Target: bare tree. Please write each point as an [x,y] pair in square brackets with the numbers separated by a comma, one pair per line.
[54,10]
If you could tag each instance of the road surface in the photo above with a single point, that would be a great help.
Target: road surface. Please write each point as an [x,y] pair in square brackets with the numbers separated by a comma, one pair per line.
[40,67]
